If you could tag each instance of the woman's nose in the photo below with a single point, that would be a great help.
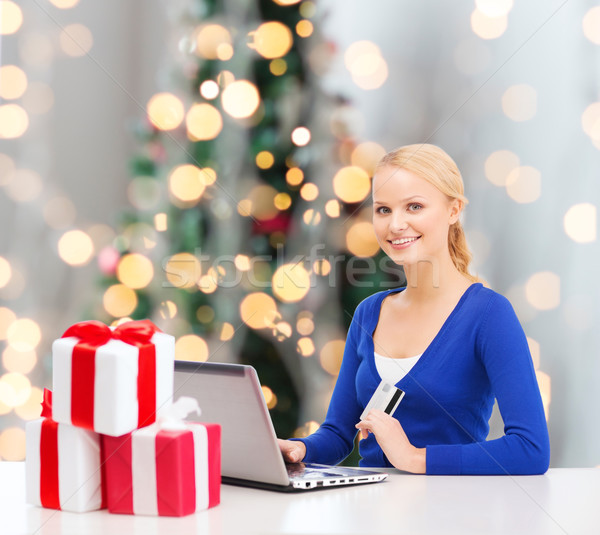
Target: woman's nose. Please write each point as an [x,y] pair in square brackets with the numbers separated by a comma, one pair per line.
[398,222]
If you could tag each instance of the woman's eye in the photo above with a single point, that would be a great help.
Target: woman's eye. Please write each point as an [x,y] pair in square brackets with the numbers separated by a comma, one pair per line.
[383,210]
[415,206]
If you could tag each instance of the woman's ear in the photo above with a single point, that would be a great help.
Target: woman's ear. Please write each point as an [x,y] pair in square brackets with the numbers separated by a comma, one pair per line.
[456,207]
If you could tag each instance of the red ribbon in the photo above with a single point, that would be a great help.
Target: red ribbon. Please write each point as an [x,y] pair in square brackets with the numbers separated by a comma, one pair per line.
[92,335]
[47,404]
[49,493]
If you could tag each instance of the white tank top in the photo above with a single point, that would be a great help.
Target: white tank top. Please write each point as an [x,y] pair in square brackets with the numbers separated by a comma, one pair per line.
[392,370]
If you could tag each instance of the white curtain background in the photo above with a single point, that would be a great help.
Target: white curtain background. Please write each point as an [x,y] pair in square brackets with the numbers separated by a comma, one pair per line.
[511,110]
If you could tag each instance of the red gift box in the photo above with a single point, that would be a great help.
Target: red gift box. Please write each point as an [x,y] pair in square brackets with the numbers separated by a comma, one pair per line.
[173,470]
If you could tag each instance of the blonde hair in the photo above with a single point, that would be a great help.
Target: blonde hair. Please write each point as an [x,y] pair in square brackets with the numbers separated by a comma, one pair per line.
[434,165]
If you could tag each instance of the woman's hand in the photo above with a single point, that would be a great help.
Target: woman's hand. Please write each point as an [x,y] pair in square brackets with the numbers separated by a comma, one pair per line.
[293,451]
[393,441]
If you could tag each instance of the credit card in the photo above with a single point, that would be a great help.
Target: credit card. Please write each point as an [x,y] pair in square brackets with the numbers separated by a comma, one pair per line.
[386,398]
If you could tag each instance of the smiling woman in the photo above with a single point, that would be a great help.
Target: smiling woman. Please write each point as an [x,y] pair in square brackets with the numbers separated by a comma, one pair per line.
[454,345]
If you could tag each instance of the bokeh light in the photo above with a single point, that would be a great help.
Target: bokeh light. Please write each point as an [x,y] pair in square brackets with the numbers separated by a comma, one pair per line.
[264,159]
[580,223]
[213,41]
[240,99]
[76,40]
[278,67]
[209,89]
[23,335]
[488,27]
[367,155]
[272,40]
[11,17]
[305,346]
[119,300]
[322,267]
[331,356]
[270,397]
[15,389]
[367,66]
[5,272]
[37,49]
[282,201]
[291,282]
[258,310]
[305,326]
[351,184]
[14,82]
[7,169]
[499,165]
[294,176]
[309,191]
[590,122]
[160,222]
[38,99]
[14,121]
[203,122]
[542,290]
[24,186]
[75,248]
[64,4]
[167,310]
[332,208]
[192,348]
[242,262]
[519,102]
[262,202]
[494,8]
[304,28]
[183,270]
[524,184]
[7,317]
[227,332]
[165,111]
[19,361]
[591,25]
[12,444]
[135,271]
[361,240]
[311,217]
[301,136]
[32,408]
[186,183]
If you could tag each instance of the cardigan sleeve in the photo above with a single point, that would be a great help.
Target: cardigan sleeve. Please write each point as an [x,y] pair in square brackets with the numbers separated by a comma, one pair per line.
[334,440]
[525,447]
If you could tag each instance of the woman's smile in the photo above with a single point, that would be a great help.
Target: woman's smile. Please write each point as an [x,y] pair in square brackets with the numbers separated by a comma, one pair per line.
[402,243]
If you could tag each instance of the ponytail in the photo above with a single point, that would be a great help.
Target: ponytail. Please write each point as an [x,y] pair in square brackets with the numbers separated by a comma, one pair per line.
[459,250]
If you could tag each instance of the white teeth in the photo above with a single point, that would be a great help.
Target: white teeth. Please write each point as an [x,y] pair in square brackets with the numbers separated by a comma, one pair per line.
[403,240]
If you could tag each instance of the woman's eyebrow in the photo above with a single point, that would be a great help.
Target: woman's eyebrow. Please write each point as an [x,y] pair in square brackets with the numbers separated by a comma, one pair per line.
[407,199]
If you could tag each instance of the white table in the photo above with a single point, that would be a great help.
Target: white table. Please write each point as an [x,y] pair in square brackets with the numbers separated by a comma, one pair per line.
[564,501]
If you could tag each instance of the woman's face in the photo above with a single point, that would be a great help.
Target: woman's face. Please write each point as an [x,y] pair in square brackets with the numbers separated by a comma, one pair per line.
[411,217]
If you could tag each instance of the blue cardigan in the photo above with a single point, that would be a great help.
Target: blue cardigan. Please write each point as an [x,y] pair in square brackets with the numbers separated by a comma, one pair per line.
[479,354]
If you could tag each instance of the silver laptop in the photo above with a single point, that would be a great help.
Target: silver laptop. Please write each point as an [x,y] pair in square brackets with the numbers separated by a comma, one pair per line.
[230,395]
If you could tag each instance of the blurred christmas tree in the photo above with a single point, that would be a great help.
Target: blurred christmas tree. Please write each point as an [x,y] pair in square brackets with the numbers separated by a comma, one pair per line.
[247,198]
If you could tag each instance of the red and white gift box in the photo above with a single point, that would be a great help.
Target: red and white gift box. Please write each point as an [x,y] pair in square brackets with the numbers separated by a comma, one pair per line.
[112,381]
[171,468]
[63,466]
